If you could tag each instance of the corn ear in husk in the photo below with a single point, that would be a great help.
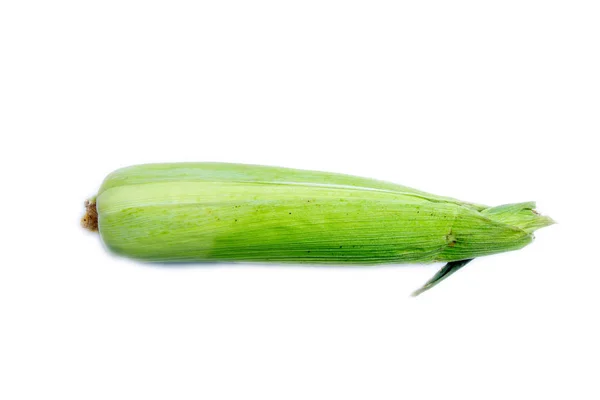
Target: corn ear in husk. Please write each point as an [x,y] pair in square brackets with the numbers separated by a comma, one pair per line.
[191,212]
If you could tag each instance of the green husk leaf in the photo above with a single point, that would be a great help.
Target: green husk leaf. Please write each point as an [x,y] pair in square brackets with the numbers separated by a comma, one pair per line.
[442,274]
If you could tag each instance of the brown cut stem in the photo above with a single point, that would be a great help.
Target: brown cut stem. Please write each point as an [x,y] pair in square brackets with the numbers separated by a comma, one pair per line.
[90,219]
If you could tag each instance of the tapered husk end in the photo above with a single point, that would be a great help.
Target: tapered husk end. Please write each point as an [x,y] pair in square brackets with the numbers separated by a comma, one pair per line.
[520,215]
[90,219]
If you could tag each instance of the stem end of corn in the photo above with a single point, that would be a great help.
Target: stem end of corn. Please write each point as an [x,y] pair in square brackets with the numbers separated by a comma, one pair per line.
[90,219]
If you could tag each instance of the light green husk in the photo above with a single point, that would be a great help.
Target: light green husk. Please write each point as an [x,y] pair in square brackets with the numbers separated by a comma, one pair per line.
[208,212]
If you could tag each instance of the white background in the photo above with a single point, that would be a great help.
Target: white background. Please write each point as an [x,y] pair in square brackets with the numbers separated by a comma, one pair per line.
[490,102]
